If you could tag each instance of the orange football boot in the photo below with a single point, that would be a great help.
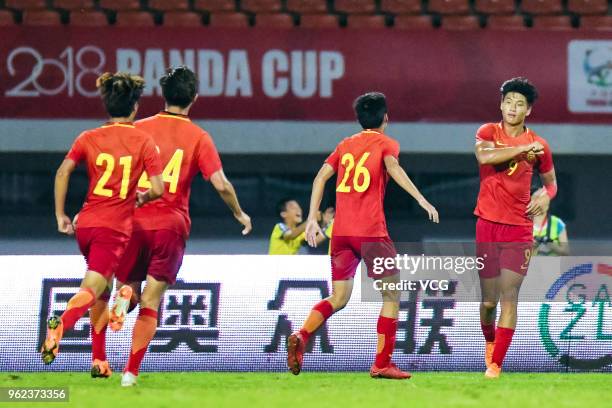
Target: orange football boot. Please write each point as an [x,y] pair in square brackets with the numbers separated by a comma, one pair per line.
[120,308]
[391,372]
[50,347]
[100,369]
[295,352]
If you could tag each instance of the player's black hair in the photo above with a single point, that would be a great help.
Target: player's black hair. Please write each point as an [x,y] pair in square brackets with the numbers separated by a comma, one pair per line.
[120,92]
[282,204]
[520,85]
[370,109]
[179,86]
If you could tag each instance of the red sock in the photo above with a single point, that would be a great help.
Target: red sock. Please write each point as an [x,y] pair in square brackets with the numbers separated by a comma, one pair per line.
[144,331]
[503,338]
[386,329]
[77,307]
[98,315]
[318,315]
[489,331]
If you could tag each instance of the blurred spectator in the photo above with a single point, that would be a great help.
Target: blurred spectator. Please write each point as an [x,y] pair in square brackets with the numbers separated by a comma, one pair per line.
[550,235]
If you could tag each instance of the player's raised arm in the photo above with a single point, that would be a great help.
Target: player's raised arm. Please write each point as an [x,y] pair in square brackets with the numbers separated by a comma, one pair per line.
[294,232]
[62,178]
[227,193]
[318,187]
[487,153]
[398,174]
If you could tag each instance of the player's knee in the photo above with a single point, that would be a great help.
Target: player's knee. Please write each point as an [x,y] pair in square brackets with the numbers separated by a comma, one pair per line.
[149,301]
[339,300]
[489,305]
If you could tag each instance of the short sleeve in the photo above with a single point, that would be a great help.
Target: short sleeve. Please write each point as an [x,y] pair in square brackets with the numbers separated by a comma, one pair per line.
[486,133]
[545,161]
[279,230]
[77,151]
[333,158]
[391,148]
[152,162]
[209,161]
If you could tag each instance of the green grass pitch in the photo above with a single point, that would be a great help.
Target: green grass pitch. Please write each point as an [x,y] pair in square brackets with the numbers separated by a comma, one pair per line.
[313,390]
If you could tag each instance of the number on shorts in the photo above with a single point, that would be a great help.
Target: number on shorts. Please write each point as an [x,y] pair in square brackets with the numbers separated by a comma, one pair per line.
[525,264]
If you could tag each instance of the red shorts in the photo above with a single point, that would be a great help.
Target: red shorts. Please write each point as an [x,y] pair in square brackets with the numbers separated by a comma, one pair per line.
[503,246]
[347,252]
[158,253]
[102,248]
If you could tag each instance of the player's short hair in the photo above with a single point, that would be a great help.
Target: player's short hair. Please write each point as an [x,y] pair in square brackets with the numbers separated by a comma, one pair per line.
[281,205]
[520,85]
[179,86]
[370,109]
[120,92]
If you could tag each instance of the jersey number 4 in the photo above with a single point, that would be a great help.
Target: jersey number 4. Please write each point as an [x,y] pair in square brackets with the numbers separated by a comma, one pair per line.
[170,175]
[361,173]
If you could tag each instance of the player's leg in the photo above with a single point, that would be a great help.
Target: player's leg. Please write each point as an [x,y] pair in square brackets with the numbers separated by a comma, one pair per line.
[166,248]
[487,249]
[98,315]
[144,329]
[323,310]
[509,285]
[102,248]
[130,274]
[489,289]
[344,262]
[91,288]
[386,327]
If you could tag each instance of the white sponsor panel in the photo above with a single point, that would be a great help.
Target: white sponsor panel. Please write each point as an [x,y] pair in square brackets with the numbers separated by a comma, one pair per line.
[589,76]
[232,313]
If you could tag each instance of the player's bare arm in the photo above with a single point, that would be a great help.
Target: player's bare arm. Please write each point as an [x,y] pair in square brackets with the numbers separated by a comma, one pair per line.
[540,199]
[318,186]
[398,174]
[294,232]
[227,193]
[155,192]
[487,153]
[62,178]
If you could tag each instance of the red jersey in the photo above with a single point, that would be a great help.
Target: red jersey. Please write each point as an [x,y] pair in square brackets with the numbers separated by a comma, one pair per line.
[116,155]
[505,189]
[185,150]
[362,179]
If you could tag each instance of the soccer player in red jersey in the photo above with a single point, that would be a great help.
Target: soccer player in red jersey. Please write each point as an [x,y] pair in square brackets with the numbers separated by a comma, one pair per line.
[161,228]
[115,155]
[507,153]
[364,163]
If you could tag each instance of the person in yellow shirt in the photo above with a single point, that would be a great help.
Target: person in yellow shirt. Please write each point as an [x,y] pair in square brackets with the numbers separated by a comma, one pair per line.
[288,236]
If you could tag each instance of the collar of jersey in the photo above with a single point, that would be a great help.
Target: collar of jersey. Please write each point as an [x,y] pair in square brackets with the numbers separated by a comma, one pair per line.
[120,124]
[503,131]
[166,114]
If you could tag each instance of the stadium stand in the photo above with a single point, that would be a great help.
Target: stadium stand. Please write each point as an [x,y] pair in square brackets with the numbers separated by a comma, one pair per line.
[182,19]
[41,18]
[365,21]
[274,20]
[88,18]
[400,14]
[514,22]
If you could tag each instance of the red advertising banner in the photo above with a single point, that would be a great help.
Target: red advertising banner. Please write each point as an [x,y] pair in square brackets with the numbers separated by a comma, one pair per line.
[298,74]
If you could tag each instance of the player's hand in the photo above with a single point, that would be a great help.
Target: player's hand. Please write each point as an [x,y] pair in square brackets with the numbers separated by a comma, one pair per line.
[540,201]
[312,230]
[245,220]
[142,197]
[64,224]
[535,147]
[431,210]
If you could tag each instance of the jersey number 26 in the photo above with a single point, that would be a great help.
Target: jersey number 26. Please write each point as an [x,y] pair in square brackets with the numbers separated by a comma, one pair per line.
[361,173]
